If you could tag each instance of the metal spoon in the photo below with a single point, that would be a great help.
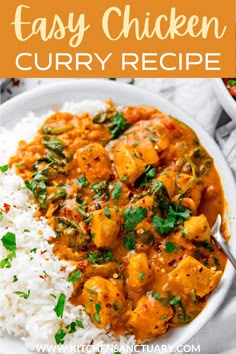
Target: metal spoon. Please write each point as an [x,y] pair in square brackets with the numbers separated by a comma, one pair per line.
[216,234]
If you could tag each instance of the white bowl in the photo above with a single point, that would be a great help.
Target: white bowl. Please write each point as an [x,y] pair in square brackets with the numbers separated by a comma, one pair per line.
[225,98]
[52,97]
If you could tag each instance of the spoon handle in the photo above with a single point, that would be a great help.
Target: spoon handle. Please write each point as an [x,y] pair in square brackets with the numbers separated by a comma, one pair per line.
[225,248]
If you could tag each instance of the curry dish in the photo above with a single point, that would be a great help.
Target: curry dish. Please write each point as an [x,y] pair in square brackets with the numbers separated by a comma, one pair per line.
[131,196]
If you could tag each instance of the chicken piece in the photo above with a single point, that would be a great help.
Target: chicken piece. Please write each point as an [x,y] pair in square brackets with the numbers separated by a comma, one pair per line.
[105,229]
[197,228]
[146,202]
[105,270]
[104,301]
[150,318]
[190,275]
[128,163]
[139,271]
[147,151]
[190,186]
[94,162]
[168,179]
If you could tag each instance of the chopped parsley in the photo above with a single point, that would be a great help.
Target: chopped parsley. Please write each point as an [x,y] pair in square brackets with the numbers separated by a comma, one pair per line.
[59,308]
[15,278]
[1,216]
[174,300]
[184,233]
[79,323]
[129,242]
[97,313]
[6,262]
[59,336]
[132,217]
[71,327]
[100,189]
[170,247]
[82,181]
[9,241]
[116,208]
[75,276]
[107,212]
[124,178]
[156,295]
[163,317]
[149,173]
[4,168]
[116,192]
[34,250]
[99,257]
[164,226]
[206,245]
[141,276]
[22,294]
[153,138]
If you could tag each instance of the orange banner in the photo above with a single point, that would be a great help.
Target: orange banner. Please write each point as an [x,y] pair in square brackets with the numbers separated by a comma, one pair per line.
[144,38]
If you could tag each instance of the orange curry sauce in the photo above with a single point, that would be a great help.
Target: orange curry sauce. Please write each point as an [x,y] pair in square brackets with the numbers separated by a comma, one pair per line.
[131,196]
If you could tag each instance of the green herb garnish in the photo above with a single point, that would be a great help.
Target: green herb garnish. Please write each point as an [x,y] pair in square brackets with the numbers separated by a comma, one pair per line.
[4,168]
[79,323]
[97,313]
[118,126]
[59,308]
[9,241]
[153,138]
[75,276]
[129,242]
[132,217]
[165,226]
[116,192]
[171,247]
[107,212]
[156,295]
[141,276]
[59,336]
[82,181]
[22,294]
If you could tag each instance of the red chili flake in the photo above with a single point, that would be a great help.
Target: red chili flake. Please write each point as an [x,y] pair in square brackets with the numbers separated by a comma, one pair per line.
[7,207]
[41,276]
[122,267]
[15,82]
[42,252]
[169,125]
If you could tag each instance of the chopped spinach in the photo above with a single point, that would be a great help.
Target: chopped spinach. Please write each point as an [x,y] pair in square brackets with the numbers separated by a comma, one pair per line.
[118,125]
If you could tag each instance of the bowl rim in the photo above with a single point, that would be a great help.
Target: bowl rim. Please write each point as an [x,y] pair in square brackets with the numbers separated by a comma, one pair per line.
[121,92]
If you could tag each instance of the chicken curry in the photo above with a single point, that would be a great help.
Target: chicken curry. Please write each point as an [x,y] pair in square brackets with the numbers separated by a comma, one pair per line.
[131,196]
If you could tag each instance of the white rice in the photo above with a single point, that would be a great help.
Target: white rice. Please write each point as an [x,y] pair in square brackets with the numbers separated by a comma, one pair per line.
[34,320]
